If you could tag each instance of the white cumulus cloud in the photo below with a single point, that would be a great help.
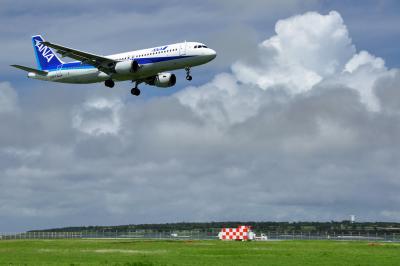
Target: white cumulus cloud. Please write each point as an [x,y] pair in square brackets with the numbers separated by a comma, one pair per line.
[305,49]
[308,50]
[98,116]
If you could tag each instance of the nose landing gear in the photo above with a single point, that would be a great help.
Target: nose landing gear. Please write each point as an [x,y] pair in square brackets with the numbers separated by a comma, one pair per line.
[188,76]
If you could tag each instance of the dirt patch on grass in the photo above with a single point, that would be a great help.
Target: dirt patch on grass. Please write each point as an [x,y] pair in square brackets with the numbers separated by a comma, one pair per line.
[375,244]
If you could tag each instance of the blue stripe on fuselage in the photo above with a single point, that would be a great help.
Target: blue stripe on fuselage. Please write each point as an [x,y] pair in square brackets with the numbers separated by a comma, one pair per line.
[141,61]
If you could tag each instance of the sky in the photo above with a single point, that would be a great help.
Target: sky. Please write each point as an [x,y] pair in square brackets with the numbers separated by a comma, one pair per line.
[297,119]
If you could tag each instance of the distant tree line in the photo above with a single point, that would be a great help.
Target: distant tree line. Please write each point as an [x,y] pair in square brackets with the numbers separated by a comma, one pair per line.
[214,227]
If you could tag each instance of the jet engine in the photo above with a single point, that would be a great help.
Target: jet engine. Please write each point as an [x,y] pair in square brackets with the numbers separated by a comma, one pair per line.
[163,80]
[126,67]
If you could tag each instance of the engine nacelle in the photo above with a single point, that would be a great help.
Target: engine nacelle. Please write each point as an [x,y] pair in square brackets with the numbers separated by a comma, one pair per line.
[126,67]
[163,80]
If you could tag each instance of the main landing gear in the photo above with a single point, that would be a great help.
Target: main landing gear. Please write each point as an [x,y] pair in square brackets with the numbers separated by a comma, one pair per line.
[135,91]
[188,76]
[109,83]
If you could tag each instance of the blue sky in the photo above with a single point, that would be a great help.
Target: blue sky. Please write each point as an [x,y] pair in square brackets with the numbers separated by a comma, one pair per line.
[296,119]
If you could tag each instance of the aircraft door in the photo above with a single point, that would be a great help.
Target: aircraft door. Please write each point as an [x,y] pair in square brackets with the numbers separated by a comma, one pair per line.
[182,50]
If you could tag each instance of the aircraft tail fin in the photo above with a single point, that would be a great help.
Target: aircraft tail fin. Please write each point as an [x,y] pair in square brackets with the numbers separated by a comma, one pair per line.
[45,57]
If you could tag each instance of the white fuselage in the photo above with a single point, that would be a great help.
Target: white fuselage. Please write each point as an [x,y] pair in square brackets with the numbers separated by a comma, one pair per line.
[152,61]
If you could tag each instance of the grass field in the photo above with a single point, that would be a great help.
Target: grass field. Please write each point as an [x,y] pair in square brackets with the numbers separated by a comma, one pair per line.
[153,252]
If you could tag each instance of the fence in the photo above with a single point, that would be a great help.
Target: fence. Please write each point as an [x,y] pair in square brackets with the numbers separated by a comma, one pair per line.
[197,235]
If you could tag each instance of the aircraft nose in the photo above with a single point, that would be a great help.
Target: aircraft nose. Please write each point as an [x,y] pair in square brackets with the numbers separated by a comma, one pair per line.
[211,53]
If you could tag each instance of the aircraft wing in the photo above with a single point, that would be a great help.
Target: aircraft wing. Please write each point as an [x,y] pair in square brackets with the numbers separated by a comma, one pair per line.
[102,63]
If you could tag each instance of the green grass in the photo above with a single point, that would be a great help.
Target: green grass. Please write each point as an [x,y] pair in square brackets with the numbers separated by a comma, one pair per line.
[153,252]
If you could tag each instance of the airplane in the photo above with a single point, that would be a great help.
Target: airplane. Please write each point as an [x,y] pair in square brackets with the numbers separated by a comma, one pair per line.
[147,66]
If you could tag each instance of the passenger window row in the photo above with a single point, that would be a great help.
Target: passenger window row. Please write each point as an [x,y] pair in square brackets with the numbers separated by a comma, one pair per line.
[153,53]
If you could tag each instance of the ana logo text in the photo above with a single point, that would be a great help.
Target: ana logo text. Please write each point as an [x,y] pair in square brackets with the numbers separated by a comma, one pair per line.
[160,48]
[46,52]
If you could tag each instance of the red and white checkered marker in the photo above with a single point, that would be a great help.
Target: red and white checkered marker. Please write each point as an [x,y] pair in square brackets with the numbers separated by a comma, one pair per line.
[243,232]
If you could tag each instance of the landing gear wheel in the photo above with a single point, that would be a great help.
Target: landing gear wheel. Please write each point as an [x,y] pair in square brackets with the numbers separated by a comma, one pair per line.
[188,76]
[135,91]
[109,83]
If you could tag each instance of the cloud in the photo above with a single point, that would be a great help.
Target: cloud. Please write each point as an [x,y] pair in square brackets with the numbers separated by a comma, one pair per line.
[299,56]
[306,128]
[223,100]
[8,98]
[98,116]
[361,73]
[388,93]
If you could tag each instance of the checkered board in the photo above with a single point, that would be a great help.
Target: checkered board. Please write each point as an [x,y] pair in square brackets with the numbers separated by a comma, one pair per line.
[240,233]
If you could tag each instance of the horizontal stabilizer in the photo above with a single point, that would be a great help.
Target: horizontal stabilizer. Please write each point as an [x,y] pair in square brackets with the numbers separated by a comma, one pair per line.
[28,69]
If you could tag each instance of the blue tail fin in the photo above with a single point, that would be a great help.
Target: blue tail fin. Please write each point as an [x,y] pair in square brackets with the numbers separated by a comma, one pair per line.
[45,57]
